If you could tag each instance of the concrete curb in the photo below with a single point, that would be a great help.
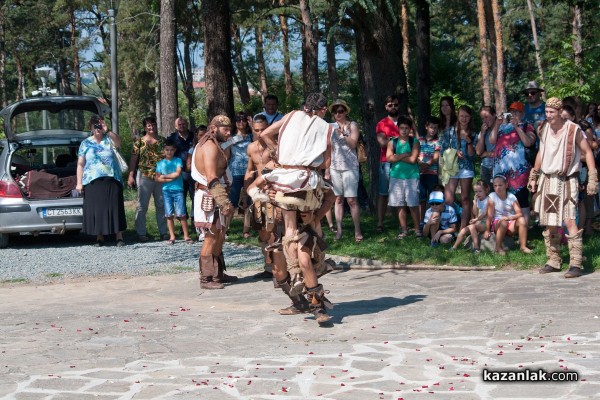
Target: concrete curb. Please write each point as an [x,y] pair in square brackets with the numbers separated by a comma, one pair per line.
[346,263]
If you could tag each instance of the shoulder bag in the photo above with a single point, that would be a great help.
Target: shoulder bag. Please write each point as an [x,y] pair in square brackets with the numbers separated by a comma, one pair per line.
[119,158]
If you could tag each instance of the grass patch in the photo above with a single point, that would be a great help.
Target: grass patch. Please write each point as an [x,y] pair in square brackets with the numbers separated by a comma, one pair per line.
[385,247]
[16,280]
[54,275]
[184,269]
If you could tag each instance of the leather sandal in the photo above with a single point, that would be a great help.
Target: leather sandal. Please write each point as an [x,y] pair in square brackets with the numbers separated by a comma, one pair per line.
[546,269]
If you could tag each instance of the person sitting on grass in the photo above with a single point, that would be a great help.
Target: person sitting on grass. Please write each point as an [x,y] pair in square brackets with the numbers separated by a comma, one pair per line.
[440,220]
[479,214]
[168,172]
[504,216]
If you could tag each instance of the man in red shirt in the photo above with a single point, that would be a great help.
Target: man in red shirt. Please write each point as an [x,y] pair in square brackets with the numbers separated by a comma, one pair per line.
[386,128]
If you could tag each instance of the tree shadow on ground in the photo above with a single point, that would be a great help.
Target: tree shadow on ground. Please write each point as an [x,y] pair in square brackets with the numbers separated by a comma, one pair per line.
[372,306]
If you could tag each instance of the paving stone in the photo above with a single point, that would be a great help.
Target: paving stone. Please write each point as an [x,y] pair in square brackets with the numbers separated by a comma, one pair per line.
[393,332]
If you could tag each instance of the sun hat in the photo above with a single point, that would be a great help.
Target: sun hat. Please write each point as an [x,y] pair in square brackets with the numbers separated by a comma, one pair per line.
[436,197]
[339,102]
[532,85]
[517,105]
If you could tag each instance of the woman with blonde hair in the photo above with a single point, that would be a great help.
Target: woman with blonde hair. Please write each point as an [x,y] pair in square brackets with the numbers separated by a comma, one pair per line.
[344,167]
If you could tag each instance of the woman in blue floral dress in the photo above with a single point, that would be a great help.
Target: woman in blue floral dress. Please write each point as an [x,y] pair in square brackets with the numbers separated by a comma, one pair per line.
[100,180]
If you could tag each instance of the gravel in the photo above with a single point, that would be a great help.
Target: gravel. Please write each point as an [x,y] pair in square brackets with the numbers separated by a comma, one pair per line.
[52,258]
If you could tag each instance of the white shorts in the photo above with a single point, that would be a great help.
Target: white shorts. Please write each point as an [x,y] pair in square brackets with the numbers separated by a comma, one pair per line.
[464,174]
[345,182]
[404,192]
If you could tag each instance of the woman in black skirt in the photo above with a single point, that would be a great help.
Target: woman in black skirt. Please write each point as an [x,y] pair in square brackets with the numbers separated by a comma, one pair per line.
[100,179]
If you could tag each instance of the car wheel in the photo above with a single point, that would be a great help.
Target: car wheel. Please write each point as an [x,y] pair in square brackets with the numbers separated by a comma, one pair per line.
[3,240]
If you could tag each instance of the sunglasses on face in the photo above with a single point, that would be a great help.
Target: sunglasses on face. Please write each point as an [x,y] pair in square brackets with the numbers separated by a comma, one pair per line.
[436,203]
[339,111]
[240,119]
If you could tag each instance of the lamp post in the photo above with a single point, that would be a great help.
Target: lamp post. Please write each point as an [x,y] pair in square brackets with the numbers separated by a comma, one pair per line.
[112,13]
[44,73]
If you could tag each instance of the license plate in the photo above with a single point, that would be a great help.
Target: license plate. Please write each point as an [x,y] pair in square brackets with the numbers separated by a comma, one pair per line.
[62,212]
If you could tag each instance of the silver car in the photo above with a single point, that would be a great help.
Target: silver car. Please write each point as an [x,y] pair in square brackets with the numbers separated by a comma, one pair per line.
[38,164]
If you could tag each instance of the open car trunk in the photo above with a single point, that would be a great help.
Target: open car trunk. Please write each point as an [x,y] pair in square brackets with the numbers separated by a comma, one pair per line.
[48,172]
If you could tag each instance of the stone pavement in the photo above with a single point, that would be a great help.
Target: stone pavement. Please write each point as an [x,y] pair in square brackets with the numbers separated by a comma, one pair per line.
[395,335]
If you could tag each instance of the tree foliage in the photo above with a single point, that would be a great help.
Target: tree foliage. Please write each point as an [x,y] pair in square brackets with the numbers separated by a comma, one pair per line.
[72,37]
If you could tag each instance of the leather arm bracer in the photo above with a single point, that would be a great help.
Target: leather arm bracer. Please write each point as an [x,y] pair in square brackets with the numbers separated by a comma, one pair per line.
[219,192]
[592,185]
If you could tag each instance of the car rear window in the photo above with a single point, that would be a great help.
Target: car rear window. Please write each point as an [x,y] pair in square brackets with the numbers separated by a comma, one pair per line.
[46,157]
[37,120]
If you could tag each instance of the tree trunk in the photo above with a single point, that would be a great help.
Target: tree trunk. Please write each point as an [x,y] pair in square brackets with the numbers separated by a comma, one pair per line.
[20,79]
[405,38]
[499,91]
[536,43]
[378,46]
[331,63]
[490,28]
[216,21]
[188,78]
[239,64]
[578,41]
[75,51]
[3,95]
[310,59]
[485,54]
[287,70]
[422,38]
[168,62]
[260,60]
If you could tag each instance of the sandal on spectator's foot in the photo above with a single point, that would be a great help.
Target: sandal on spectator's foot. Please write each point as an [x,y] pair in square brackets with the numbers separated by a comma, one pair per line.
[402,235]
[247,235]
[120,243]
[379,229]
[170,242]
[358,239]
[99,243]
[419,234]
[332,228]
[189,241]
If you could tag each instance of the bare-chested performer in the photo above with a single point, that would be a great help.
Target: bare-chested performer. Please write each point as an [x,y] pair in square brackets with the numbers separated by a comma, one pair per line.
[303,148]
[212,208]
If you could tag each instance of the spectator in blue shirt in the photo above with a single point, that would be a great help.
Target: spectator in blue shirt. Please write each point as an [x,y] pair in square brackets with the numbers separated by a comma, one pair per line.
[183,139]
[168,172]
[271,114]
[238,162]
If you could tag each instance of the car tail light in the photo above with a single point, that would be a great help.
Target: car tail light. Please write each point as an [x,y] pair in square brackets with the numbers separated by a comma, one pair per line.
[10,189]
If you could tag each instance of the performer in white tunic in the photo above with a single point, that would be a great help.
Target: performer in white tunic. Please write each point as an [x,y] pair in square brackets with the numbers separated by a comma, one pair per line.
[555,178]
[303,148]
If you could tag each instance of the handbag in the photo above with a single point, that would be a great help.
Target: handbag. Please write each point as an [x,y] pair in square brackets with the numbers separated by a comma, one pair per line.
[361,150]
[120,160]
